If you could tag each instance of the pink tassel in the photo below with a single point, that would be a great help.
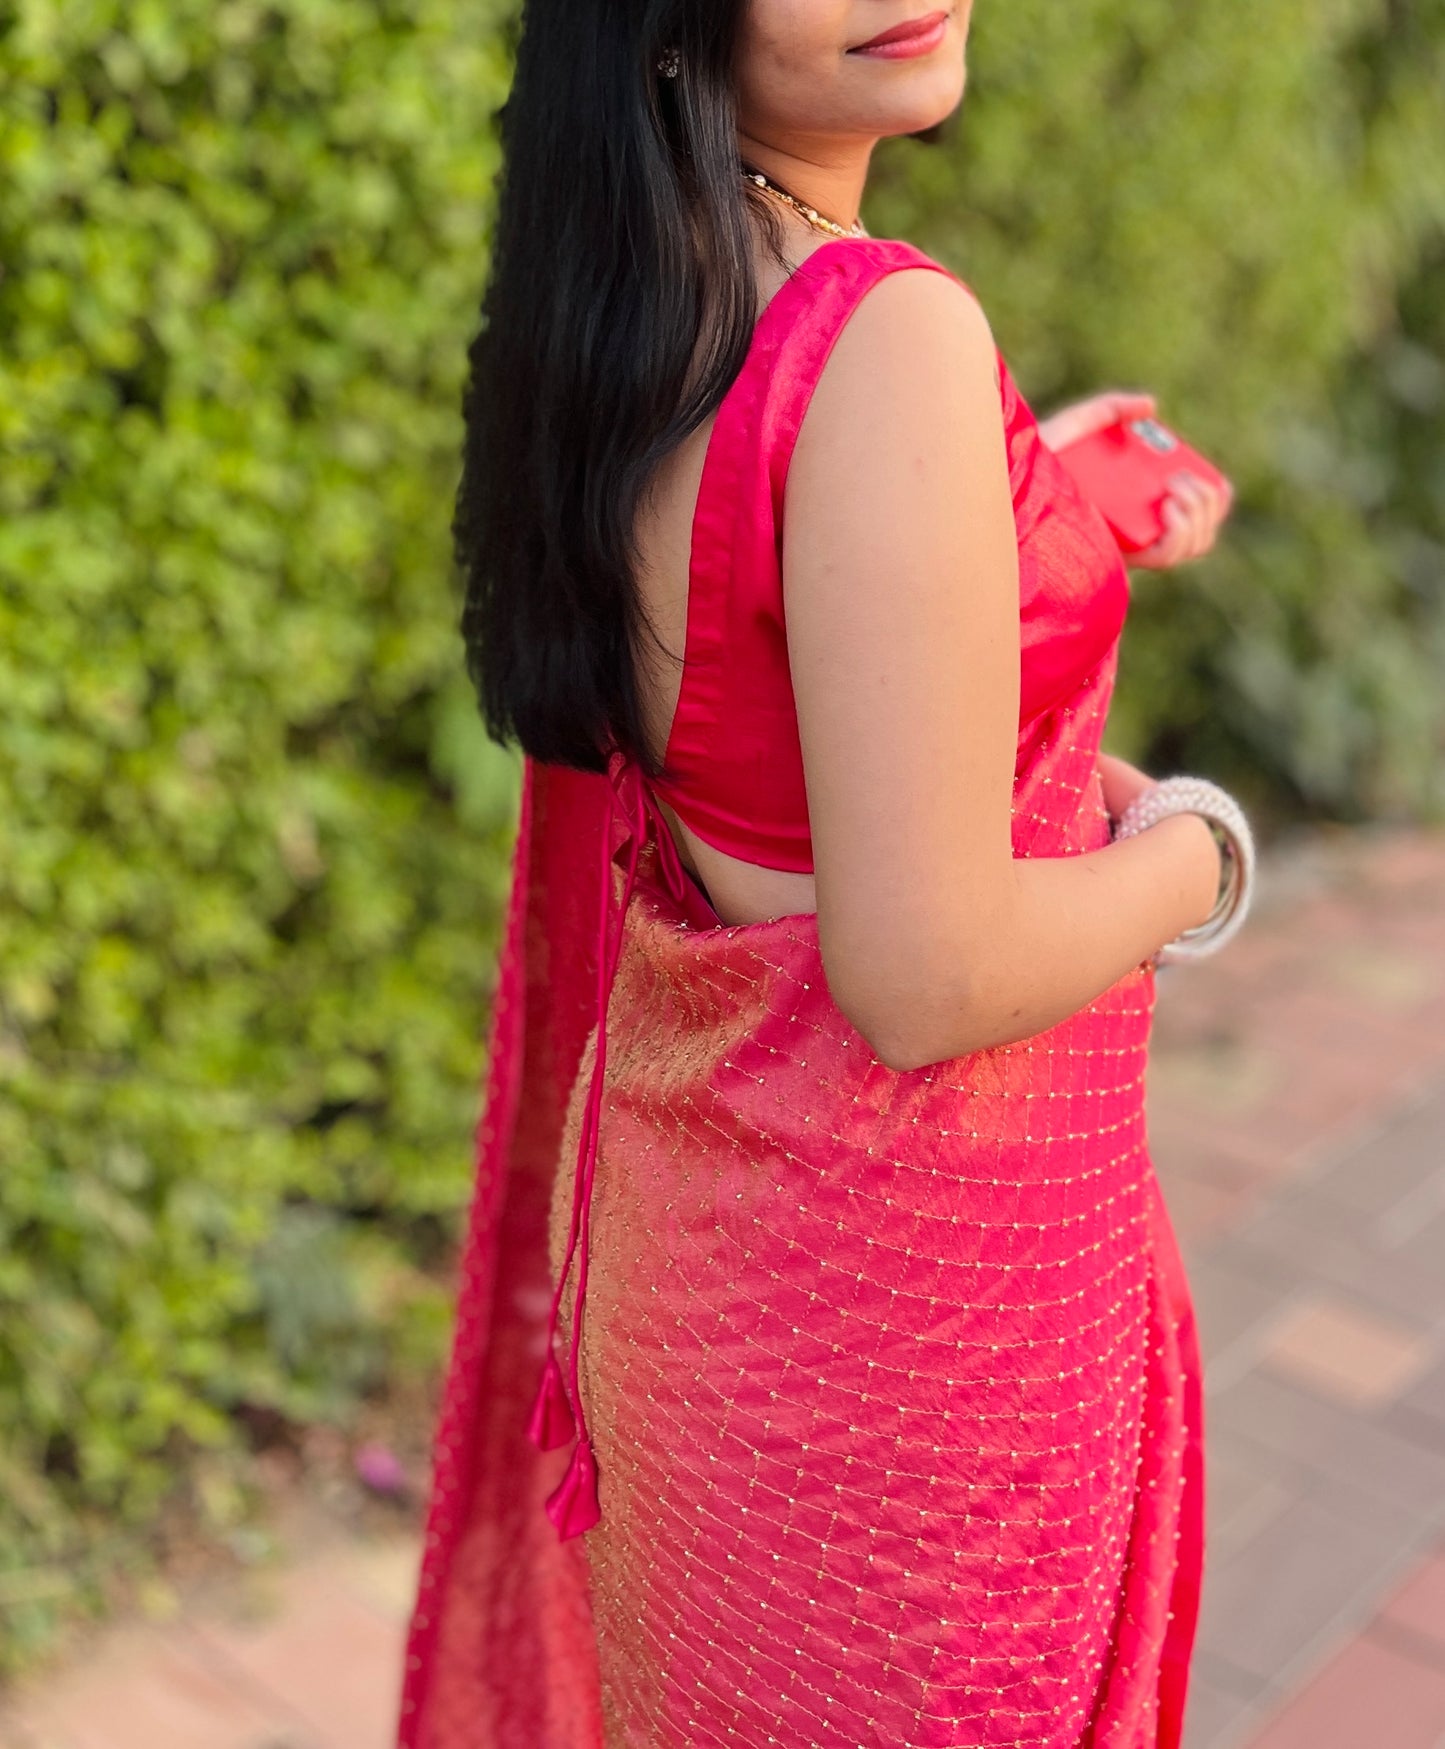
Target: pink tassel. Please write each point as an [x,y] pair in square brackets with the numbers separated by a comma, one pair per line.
[573,1505]
[550,1423]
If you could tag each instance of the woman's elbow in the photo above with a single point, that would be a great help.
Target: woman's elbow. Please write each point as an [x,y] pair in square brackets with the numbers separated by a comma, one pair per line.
[906,1020]
[900,1051]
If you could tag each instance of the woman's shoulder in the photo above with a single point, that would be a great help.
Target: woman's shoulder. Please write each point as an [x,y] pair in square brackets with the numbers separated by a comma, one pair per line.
[913,375]
[914,314]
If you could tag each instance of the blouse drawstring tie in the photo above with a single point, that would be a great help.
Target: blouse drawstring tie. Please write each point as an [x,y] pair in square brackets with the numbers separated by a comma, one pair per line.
[557,1413]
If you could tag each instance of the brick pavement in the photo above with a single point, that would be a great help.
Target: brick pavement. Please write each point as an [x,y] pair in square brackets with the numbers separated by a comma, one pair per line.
[1297,1114]
[1297,1118]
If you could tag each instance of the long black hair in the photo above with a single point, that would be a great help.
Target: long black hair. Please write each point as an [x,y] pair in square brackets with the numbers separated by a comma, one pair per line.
[621,240]
[621,237]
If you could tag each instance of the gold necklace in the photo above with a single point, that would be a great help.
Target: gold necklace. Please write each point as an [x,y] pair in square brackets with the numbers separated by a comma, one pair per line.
[814,218]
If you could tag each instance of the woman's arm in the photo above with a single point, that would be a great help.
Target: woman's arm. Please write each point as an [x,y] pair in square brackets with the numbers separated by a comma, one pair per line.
[900,568]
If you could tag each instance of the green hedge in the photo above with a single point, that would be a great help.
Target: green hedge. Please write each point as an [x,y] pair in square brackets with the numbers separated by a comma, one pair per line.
[252,842]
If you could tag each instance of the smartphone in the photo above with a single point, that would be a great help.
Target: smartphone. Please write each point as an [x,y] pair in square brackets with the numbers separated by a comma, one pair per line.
[1124,469]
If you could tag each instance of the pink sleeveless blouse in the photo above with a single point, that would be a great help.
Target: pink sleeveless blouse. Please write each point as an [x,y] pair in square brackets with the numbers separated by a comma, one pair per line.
[885,1424]
[734,769]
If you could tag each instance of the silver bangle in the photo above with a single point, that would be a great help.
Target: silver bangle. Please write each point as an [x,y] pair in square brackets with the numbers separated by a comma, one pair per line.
[1197,795]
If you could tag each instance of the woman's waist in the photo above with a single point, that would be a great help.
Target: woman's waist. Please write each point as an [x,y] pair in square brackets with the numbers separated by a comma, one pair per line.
[1028,1157]
[751,1003]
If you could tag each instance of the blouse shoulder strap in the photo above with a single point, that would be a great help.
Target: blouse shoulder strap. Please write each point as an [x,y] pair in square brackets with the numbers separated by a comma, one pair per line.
[798,329]
[733,748]
[740,497]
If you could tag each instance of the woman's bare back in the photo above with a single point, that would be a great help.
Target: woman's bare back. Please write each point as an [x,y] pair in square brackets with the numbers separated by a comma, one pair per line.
[741,892]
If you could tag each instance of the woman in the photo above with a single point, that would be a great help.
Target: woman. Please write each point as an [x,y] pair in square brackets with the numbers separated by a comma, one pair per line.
[825,1371]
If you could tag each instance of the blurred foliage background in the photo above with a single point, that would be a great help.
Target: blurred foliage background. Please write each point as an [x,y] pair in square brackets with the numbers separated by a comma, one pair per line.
[253,844]
[1240,208]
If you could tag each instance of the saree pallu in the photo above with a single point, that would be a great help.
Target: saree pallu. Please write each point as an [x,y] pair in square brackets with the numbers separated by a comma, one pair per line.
[891,1377]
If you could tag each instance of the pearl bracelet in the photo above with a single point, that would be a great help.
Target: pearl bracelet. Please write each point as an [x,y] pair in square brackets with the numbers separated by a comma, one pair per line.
[1197,795]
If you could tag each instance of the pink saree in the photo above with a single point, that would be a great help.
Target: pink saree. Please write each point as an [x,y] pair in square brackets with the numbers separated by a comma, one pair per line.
[886,1422]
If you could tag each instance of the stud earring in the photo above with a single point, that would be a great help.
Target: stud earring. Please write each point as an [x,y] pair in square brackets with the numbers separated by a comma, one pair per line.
[670,64]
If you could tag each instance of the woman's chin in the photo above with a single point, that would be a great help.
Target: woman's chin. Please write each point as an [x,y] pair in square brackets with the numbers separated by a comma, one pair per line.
[931,103]
[920,117]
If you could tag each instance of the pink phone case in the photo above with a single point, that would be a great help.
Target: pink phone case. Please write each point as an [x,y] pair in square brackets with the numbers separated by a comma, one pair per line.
[1124,470]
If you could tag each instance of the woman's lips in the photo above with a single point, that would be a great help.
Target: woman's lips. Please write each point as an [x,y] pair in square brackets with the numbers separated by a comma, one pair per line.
[917,36]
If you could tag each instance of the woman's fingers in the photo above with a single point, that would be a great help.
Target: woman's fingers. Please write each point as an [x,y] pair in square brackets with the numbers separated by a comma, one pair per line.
[1121,780]
[1180,518]
[1081,418]
[1208,506]
[1191,513]
[1194,507]
[1171,546]
[1130,404]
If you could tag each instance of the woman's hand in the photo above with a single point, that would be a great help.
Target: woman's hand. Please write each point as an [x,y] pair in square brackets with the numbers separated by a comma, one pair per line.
[1083,418]
[1121,783]
[1192,514]
[1193,509]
